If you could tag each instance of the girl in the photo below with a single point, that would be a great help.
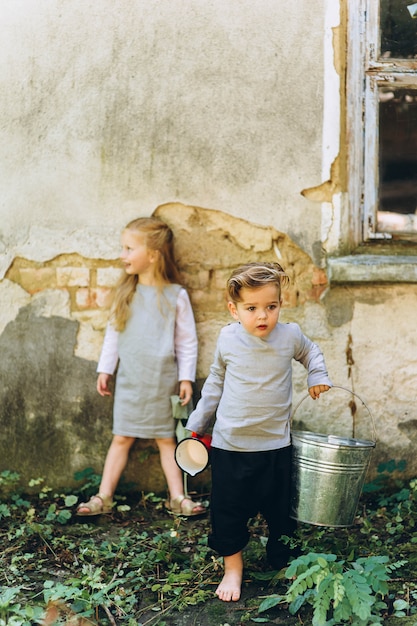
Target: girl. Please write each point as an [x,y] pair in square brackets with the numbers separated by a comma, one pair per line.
[152,339]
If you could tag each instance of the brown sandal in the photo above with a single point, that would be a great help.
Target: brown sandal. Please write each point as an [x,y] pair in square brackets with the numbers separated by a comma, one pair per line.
[183,506]
[94,507]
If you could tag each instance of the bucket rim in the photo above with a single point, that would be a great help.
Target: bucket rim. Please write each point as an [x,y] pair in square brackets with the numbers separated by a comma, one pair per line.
[309,435]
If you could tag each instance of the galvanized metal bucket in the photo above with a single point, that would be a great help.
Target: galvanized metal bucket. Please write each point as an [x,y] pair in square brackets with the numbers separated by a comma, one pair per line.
[328,473]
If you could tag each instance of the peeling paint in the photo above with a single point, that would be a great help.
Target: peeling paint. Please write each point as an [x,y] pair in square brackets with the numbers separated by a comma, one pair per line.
[13,298]
[325,191]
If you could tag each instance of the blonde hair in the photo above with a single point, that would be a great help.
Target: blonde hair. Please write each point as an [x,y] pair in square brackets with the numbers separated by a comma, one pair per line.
[159,237]
[253,275]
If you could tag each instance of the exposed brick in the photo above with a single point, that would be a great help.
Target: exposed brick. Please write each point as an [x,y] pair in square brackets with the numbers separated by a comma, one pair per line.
[102,296]
[96,318]
[82,298]
[108,276]
[92,298]
[195,280]
[316,292]
[36,279]
[289,298]
[73,276]
[319,276]
[220,279]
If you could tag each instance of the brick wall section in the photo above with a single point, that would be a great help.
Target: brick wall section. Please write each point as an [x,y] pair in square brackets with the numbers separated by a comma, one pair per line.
[72,288]
[88,281]
[209,245]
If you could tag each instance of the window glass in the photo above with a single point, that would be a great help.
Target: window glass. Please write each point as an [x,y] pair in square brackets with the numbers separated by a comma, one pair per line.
[398,29]
[382,123]
[397,159]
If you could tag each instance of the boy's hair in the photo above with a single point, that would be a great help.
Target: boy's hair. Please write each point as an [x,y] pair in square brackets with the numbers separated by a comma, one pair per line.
[159,237]
[254,275]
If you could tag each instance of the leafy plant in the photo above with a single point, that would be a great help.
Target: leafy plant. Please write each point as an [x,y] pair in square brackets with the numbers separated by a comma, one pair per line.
[90,480]
[84,593]
[387,472]
[138,565]
[8,480]
[15,612]
[339,594]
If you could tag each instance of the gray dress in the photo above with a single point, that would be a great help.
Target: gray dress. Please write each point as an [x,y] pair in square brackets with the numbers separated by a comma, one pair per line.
[147,372]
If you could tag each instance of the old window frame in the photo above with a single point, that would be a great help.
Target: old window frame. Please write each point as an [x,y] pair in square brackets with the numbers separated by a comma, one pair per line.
[365,74]
[399,73]
[372,256]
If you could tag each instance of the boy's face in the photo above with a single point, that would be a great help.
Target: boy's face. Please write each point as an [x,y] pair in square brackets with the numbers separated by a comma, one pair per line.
[258,309]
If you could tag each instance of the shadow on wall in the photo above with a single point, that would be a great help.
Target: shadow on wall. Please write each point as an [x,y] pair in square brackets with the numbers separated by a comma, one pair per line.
[48,416]
[52,421]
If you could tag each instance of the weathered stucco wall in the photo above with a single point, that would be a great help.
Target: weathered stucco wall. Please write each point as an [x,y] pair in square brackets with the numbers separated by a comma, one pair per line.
[109,109]
[54,421]
[55,424]
[113,110]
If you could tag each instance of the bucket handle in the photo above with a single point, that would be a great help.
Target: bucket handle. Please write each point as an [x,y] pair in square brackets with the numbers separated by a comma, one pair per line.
[353,394]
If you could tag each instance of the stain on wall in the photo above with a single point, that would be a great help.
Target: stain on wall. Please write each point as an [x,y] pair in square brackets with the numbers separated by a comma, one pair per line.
[46,399]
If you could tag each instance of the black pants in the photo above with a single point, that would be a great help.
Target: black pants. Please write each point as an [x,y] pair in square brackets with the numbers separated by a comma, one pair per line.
[244,484]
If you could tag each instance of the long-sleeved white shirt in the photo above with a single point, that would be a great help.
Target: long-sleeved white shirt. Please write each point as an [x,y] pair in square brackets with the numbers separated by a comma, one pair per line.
[185,341]
[249,387]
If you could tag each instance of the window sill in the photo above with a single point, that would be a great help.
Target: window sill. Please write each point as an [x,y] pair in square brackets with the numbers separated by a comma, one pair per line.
[372,268]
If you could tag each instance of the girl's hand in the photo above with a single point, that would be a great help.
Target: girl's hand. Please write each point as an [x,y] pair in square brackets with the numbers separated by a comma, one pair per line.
[316,390]
[186,392]
[103,384]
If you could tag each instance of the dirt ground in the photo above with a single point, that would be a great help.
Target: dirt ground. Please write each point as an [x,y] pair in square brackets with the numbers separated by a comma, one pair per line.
[212,612]
[137,540]
[217,613]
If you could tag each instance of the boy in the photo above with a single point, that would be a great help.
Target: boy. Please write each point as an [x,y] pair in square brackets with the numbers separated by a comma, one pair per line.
[249,387]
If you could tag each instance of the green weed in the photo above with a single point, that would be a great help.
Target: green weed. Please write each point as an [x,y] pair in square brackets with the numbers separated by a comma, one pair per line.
[13,610]
[338,593]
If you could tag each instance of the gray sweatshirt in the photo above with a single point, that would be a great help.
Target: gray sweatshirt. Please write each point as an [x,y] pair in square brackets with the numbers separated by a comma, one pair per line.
[249,387]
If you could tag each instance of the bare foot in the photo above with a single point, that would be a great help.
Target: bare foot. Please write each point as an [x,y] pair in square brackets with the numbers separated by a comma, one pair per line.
[230,586]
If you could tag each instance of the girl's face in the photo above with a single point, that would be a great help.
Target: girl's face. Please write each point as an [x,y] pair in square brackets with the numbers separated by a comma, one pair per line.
[258,309]
[136,257]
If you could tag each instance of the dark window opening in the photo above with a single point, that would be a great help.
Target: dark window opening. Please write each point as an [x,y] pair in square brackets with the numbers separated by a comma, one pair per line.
[398,29]
[397,160]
